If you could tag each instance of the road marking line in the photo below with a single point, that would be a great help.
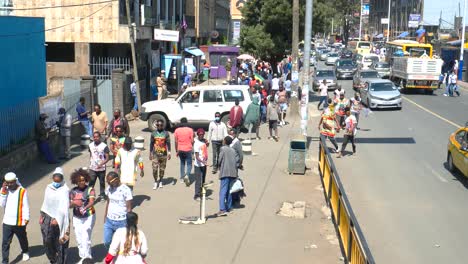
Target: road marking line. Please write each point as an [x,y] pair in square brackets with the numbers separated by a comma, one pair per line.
[438,176]
[432,113]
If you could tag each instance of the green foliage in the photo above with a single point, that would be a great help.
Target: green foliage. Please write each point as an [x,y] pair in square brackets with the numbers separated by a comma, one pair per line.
[254,40]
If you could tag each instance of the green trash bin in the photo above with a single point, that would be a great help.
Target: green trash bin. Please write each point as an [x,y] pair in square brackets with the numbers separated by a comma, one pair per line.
[297,155]
[206,72]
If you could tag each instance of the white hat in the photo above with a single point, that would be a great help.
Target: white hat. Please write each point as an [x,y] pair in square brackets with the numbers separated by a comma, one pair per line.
[10,176]
[58,170]
[185,84]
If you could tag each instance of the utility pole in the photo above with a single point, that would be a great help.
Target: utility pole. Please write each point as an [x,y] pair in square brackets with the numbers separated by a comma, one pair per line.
[360,20]
[132,46]
[462,48]
[306,68]
[295,39]
[295,57]
[388,15]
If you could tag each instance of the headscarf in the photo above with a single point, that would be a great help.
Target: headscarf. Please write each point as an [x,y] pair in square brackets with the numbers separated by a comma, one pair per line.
[56,203]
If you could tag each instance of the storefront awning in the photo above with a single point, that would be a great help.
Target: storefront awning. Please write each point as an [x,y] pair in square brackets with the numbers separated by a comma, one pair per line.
[195,52]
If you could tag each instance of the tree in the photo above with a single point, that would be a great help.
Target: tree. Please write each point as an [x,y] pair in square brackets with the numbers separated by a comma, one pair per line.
[254,40]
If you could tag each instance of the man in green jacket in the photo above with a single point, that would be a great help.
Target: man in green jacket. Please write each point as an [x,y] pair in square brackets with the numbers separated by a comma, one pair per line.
[252,117]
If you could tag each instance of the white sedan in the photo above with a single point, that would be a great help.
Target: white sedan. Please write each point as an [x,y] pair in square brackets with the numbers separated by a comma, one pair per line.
[332,58]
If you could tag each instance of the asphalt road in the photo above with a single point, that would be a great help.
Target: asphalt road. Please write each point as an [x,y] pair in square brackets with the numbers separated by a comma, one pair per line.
[410,207]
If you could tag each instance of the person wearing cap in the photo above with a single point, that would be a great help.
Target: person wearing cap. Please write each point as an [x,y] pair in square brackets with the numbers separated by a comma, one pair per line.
[14,199]
[160,152]
[127,162]
[98,157]
[200,147]
[217,130]
[42,137]
[64,124]
[55,220]
[161,83]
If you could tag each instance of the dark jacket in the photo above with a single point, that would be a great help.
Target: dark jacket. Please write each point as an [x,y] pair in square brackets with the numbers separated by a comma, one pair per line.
[41,131]
[123,123]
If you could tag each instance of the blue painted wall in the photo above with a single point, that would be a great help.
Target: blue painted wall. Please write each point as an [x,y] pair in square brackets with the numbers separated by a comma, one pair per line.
[22,78]
[23,62]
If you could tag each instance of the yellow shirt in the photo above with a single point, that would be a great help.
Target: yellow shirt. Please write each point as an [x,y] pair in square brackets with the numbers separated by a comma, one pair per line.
[100,122]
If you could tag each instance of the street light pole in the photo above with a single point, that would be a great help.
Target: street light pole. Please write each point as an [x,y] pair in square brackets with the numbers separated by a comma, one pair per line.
[388,16]
[360,21]
[462,48]
[306,67]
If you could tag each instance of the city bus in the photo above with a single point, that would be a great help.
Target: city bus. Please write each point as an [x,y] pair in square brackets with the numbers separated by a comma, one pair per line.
[360,47]
[410,47]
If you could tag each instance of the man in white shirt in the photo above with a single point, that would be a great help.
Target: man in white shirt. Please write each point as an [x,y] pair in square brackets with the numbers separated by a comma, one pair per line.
[14,198]
[128,161]
[217,131]
[350,131]
[323,94]
[275,83]
[98,157]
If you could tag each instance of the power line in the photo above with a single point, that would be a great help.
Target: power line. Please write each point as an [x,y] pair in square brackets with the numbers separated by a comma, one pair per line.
[50,7]
[54,28]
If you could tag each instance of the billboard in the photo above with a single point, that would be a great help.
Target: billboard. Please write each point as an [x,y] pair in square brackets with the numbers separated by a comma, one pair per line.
[413,21]
[365,10]
[236,6]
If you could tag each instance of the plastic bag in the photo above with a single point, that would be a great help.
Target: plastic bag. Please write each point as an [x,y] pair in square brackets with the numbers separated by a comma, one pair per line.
[367,111]
[237,186]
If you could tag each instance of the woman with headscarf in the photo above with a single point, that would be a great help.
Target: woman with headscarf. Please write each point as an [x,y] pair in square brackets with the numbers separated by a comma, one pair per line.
[129,245]
[54,219]
[252,117]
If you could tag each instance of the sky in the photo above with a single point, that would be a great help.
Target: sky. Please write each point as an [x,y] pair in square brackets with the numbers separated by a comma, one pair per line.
[449,8]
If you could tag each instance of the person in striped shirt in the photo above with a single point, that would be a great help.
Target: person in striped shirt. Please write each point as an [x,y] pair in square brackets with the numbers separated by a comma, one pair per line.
[14,198]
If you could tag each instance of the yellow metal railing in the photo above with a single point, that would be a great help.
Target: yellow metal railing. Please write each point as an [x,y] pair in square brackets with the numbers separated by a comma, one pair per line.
[352,240]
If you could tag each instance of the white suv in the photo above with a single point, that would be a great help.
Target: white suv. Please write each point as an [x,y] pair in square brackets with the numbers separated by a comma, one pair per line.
[198,104]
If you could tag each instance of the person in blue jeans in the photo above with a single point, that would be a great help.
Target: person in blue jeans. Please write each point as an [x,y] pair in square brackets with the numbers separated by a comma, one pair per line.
[83,117]
[119,203]
[183,138]
[227,164]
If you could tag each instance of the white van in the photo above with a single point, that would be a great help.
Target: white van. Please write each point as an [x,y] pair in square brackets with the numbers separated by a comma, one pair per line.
[198,104]
[366,60]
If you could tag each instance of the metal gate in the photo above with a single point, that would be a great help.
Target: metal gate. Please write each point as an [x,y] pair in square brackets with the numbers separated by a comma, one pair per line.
[104,96]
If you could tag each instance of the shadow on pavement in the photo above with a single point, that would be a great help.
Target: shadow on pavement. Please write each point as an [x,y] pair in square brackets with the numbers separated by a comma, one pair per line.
[34,251]
[458,176]
[139,199]
[398,140]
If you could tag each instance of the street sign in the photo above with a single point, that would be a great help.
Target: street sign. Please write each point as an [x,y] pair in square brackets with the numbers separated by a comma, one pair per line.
[365,10]
[384,21]
[413,21]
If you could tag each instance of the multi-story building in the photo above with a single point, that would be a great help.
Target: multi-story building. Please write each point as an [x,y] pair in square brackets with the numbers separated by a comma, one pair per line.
[400,12]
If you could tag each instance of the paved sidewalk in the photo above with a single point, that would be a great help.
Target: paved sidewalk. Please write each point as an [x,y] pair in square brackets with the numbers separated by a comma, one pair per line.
[253,234]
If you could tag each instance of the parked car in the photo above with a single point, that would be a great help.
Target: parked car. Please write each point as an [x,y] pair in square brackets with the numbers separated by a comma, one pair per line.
[457,151]
[365,61]
[363,76]
[328,75]
[345,68]
[346,54]
[380,93]
[323,54]
[383,68]
[332,58]
[198,104]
